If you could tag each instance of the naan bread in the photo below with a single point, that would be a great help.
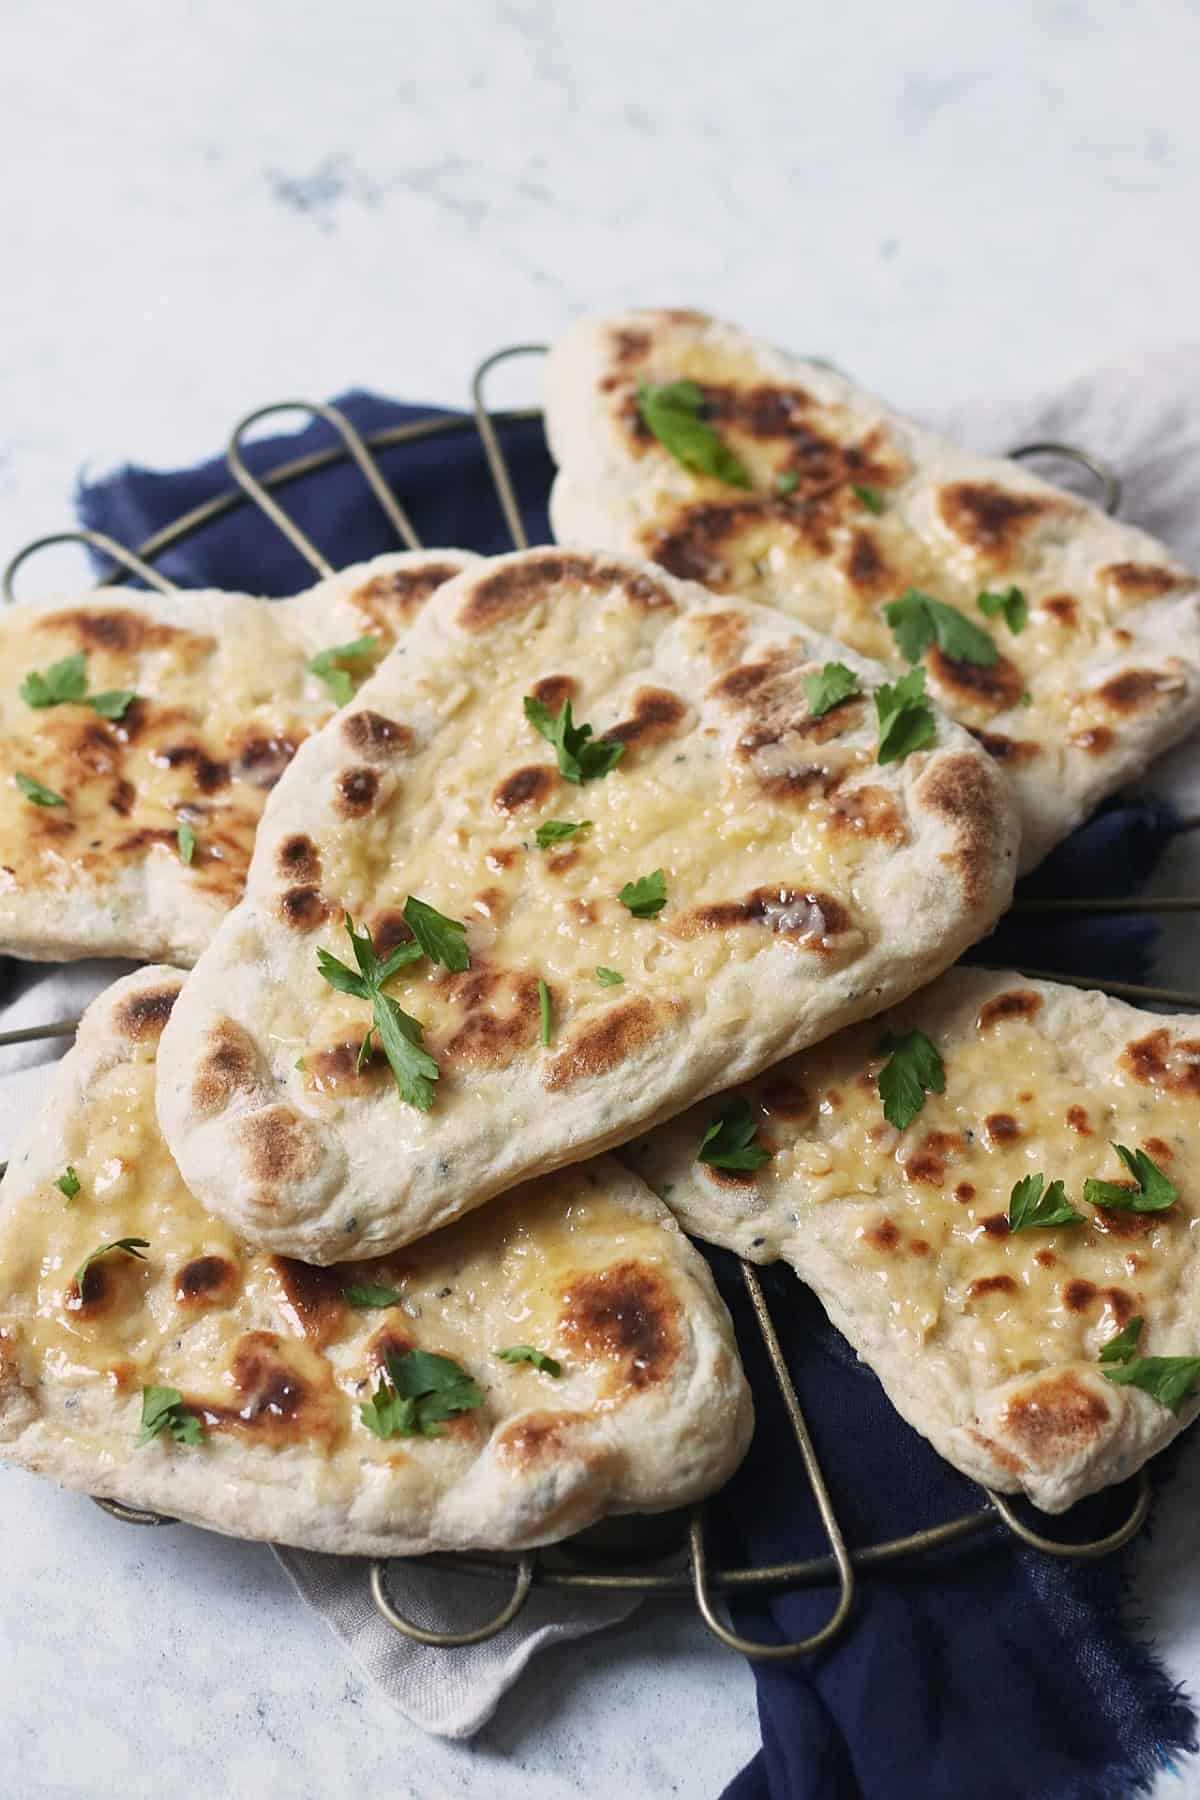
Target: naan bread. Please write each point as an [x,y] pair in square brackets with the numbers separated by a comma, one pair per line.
[805,886]
[224,696]
[651,1410]
[985,1340]
[1110,657]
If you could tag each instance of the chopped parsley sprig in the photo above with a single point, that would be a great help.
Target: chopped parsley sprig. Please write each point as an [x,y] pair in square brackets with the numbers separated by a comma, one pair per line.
[917,620]
[829,687]
[330,665]
[132,1246]
[673,413]
[1153,1191]
[906,721]
[1033,1203]
[163,1409]
[1011,602]
[34,791]
[66,681]
[525,1353]
[731,1141]
[914,1068]
[578,759]
[418,1392]
[1169,1379]
[645,897]
[400,1035]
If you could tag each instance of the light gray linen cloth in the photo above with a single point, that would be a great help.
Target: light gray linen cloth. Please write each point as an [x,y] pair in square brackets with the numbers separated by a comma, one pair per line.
[1142,415]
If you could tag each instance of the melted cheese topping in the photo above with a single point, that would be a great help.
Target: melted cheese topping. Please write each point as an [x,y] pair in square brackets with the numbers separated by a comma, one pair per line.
[922,1215]
[268,1348]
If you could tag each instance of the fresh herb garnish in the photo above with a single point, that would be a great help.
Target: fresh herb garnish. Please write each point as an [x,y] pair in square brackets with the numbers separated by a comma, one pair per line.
[525,1353]
[544,1009]
[163,1410]
[131,1246]
[1154,1191]
[66,681]
[340,681]
[1026,698]
[646,896]
[68,1183]
[917,620]
[906,721]
[400,1035]
[1123,1347]
[578,760]
[366,1295]
[672,413]
[423,1389]
[555,831]
[829,687]
[609,977]
[185,837]
[914,1069]
[1009,601]
[1170,1379]
[1029,1206]
[871,498]
[443,940]
[731,1141]
[33,790]
[114,703]
[787,481]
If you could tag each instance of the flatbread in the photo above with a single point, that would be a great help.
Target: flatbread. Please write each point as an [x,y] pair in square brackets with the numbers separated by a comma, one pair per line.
[224,697]
[651,1409]
[1110,657]
[805,886]
[985,1340]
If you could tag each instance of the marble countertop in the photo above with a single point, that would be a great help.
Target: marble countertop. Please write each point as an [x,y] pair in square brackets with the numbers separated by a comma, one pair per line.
[210,207]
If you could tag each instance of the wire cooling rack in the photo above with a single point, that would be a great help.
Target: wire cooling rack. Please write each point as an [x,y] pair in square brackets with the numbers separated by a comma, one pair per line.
[662,1557]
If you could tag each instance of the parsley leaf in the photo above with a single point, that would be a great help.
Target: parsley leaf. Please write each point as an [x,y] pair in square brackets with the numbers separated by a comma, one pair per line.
[829,687]
[525,1353]
[906,721]
[917,620]
[672,413]
[578,761]
[185,837]
[163,1410]
[401,1036]
[914,1069]
[1011,602]
[554,831]
[544,1008]
[1028,1205]
[730,1141]
[871,497]
[68,1182]
[443,940]
[1123,1347]
[366,1295]
[422,1389]
[787,481]
[609,977]
[646,896]
[114,703]
[63,681]
[131,1246]
[340,681]
[1170,1379]
[1154,1191]
[33,790]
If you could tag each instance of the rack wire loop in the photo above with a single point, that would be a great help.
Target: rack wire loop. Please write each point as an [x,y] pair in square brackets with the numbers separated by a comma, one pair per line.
[130,1515]
[357,449]
[452,1640]
[1095,1547]
[1104,473]
[95,540]
[497,461]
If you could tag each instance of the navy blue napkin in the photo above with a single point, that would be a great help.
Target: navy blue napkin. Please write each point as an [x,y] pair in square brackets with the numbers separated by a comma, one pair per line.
[986,1672]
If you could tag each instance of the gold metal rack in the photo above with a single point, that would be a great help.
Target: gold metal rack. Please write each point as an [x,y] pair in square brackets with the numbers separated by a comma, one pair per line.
[664,1557]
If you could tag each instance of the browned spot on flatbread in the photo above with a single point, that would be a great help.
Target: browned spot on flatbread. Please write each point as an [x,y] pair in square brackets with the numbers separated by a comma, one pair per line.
[1078,1120]
[374,737]
[122,798]
[355,792]
[1096,740]
[964,1193]
[1045,1259]
[286,1395]
[992,519]
[758,685]
[813,919]
[1056,1420]
[208,773]
[389,929]
[312,1299]
[207,1281]
[497,1013]
[561,862]
[958,789]
[865,567]
[996,1225]
[554,691]
[1002,1128]
[1012,751]
[1137,581]
[260,758]
[1078,1295]
[389,1340]
[279,1145]
[1003,1458]
[1123,1222]
[113,1276]
[530,786]
[925,1168]
[228,1066]
[1119,1303]
[990,1284]
[1137,690]
[867,812]
[722,635]
[395,598]
[992,687]
[1160,1151]
[142,1016]
[627,1315]
[657,715]
[629,345]
[621,1033]
[698,543]
[883,1234]
[121,629]
[785,1097]
[538,1438]
[511,591]
[340,1069]
[1159,1060]
[1063,608]
[302,908]
[298,859]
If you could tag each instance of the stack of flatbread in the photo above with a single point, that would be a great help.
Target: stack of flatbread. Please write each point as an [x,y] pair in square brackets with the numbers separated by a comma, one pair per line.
[659,843]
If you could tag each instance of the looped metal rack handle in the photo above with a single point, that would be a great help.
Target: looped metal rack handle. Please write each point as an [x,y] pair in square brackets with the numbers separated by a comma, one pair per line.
[130,1515]
[1095,1547]
[451,1640]
[357,449]
[1104,473]
[95,540]
[496,459]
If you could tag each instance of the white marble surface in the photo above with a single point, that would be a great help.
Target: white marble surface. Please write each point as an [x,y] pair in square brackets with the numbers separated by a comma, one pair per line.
[207,206]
